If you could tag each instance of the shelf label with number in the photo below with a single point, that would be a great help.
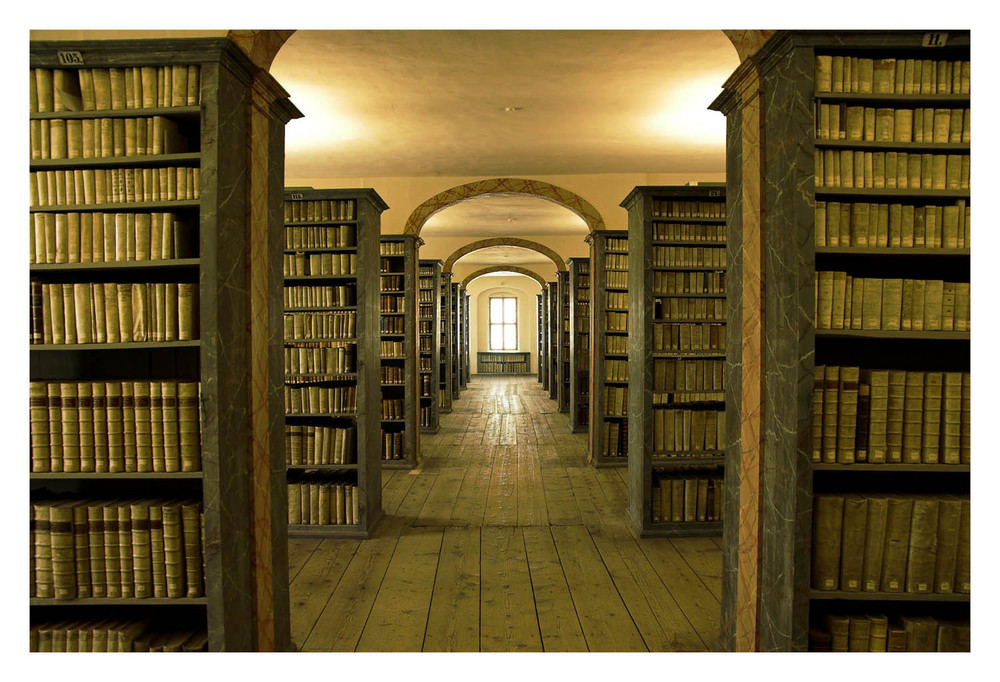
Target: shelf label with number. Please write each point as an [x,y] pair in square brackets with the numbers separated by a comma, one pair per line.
[935,39]
[70,57]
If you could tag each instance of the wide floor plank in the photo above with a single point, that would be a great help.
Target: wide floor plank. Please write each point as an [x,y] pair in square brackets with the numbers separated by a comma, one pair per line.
[453,619]
[507,605]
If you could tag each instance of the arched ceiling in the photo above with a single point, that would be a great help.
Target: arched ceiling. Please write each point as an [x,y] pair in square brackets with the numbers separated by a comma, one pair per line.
[503,216]
[504,255]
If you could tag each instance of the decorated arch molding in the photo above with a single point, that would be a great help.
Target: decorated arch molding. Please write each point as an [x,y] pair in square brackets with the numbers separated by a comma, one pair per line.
[495,186]
[503,268]
[260,46]
[503,241]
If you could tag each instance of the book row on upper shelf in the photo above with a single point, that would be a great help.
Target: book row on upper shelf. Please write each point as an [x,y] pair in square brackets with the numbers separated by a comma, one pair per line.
[306,445]
[866,224]
[665,283]
[685,431]
[315,399]
[99,237]
[321,357]
[669,208]
[115,88]
[689,337]
[336,324]
[112,312]
[891,416]
[873,633]
[858,169]
[96,186]
[891,543]
[114,426]
[887,124]
[892,304]
[687,498]
[98,138]
[102,635]
[130,548]
[321,237]
[616,261]
[318,264]
[616,280]
[392,249]
[688,256]
[684,309]
[319,210]
[316,296]
[319,502]
[678,232]
[903,76]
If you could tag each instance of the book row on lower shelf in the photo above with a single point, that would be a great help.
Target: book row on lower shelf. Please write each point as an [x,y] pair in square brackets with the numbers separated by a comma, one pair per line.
[317,501]
[313,445]
[688,257]
[111,312]
[614,438]
[680,374]
[681,309]
[687,498]
[858,169]
[321,237]
[689,337]
[616,279]
[116,88]
[891,304]
[874,633]
[889,75]
[864,224]
[315,399]
[101,635]
[319,357]
[891,416]
[319,264]
[392,325]
[888,124]
[105,137]
[314,296]
[338,324]
[688,283]
[115,426]
[679,232]
[891,543]
[677,432]
[96,186]
[393,408]
[319,210]
[132,548]
[392,445]
[99,237]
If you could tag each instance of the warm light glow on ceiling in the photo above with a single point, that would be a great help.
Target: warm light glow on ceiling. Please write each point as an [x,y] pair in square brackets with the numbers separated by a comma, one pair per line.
[324,119]
[677,120]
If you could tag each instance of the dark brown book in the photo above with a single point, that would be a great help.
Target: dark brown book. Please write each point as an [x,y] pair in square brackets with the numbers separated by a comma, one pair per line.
[896,640]
[828,520]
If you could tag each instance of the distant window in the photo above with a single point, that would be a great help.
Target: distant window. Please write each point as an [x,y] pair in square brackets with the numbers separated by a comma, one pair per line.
[503,323]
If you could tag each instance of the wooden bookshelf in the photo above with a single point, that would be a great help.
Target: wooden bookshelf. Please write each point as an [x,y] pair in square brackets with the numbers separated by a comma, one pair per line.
[503,362]
[608,347]
[446,315]
[466,335]
[562,340]
[797,474]
[331,238]
[455,344]
[429,334]
[670,394]
[543,337]
[130,456]
[554,333]
[539,337]
[398,273]
[579,343]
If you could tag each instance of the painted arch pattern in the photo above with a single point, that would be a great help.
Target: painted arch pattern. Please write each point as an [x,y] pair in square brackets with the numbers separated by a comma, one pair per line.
[502,268]
[503,241]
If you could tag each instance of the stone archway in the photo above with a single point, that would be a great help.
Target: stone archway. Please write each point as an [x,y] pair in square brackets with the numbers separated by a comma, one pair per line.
[502,268]
[503,241]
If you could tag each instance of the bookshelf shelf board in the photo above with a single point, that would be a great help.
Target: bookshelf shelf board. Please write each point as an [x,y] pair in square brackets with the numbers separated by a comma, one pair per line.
[616,289]
[330,531]
[620,253]
[320,223]
[660,462]
[325,415]
[185,159]
[901,251]
[892,98]
[684,403]
[690,295]
[393,421]
[401,336]
[193,111]
[105,475]
[687,268]
[321,309]
[839,595]
[683,529]
[136,345]
[327,249]
[689,354]
[388,313]
[400,383]
[614,416]
[350,339]
[686,320]
[869,467]
[681,242]
[893,334]
[120,601]
[323,467]
[309,278]
[939,147]
[606,461]
[128,206]
[320,376]
[390,272]
[616,381]
[616,331]
[687,221]
[893,193]
[169,264]
[615,310]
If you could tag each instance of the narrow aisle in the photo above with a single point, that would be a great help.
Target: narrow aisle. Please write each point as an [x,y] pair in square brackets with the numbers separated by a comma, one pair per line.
[505,539]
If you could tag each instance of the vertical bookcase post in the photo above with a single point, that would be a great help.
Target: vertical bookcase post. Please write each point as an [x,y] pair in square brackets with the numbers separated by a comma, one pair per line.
[429,329]
[579,343]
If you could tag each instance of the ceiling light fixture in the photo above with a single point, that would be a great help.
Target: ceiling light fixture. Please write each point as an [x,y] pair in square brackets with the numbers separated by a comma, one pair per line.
[508,109]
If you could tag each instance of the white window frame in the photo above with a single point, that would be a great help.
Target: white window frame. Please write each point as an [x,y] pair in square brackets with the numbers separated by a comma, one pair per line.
[489,313]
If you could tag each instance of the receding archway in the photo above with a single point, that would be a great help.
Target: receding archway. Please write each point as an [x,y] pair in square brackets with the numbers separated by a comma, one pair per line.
[503,268]
[503,241]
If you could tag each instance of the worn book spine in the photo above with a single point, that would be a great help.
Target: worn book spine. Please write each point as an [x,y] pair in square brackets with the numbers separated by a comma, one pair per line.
[853,542]
[962,562]
[874,543]
[828,518]
[922,555]
[913,408]
[932,403]
[157,556]
[142,567]
[112,559]
[188,426]
[191,521]
[847,414]
[171,442]
[948,529]
[897,539]
[124,510]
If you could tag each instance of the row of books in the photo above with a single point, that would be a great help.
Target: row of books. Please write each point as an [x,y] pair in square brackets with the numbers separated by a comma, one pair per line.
[392,325]
[689,283]
[114,426]
[112,312]
[116,88]
[847,168]
[426,343]
[391,282]
[425,380]
[426,295]
[683,309]
[315,399]
[616,321]
[891,543]
[668,208]
[873,633]
[316,296]
[98,237]
[683,430]
[676,398]
[689,257]
[392,349]
[426,416]
[616,345]
[319,503]
[301,264]
[616,245]
[391,374]
[891,416]
[616,300]
[391,248]
[845,302]
[326,359]
[96,186]
[100,635]
[886,124]
[504,367]
[616,279]
[95,138]
[614,441]
[392,445]
[426,364]
[687,498]
[680,374]
[872,224]
[616,370]
[426,327]
[616,401]
[319,445]
[392,304]
[321,237]
[135,548]
[689,337]
[850,74]
[338,324]
[679,232]
[393,408]
[616,261]
[320,210]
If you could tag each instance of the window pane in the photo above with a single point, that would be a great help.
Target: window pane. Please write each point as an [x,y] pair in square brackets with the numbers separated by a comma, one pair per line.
[510,310]
[496,310]
[510,337]
[496,337]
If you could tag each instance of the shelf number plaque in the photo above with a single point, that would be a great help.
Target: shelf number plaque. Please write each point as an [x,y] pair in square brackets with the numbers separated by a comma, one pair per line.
[715,192]
[295,196]
[70,57]
[935,40]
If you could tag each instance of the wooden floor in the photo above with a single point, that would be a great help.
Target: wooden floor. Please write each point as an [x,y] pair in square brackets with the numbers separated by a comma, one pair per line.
[505,539]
